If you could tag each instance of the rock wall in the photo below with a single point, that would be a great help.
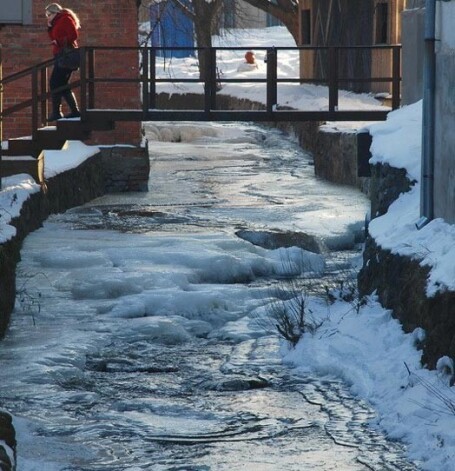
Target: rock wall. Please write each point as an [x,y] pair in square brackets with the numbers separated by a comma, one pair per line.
[400,282]
[125,168]
[113,169]
[8,435]
[68,189]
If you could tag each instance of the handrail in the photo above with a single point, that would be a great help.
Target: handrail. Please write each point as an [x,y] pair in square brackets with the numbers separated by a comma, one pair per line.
[333,77]
[149,56]
[27,71]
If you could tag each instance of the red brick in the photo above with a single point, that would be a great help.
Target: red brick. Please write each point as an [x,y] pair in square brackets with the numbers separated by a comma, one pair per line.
[107,23]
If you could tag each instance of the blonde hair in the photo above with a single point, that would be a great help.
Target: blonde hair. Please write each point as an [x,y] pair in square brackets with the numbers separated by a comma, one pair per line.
[57,8]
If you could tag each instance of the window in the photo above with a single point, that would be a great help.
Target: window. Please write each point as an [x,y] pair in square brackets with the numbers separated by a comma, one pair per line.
[305,26]
[382,23]
[16,12]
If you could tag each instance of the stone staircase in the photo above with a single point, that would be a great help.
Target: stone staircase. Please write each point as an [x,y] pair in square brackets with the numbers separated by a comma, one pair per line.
[26,154]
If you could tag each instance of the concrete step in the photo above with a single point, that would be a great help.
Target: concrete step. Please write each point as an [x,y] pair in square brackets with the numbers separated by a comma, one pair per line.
[73,129]
[15,165]
[21,146]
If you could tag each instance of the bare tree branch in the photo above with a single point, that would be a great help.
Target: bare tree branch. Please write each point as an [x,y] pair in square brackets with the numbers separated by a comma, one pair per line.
[284,10]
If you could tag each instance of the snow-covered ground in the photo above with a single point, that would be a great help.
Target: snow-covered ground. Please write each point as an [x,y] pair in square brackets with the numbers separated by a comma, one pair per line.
[365,346]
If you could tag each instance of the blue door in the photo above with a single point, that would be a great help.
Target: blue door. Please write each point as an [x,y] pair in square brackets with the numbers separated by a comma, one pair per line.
[171,28]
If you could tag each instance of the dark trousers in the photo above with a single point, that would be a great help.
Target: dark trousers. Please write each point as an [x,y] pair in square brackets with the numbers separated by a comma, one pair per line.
[59,78]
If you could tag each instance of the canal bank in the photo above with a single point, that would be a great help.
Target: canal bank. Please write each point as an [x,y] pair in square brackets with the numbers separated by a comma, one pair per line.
[384,178]
[148,332]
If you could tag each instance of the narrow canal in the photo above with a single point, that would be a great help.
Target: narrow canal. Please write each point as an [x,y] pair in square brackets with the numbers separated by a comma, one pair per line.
[140,341]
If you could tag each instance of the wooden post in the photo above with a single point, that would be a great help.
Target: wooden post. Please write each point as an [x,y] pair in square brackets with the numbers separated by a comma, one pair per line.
[333,79]
[213,78]
[272,93]
[145,81]
[152,78]
[210,80]
[89,54]
[83,76]
[43,95]
[396,76]
[35,105]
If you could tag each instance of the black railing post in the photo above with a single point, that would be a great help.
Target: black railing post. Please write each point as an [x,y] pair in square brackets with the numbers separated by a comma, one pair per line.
[210,79]
[272,93]
[213,78]
[152,81]
[1,114]
[83,76]
[333,79]
[35,104]
[90,55]
[145,81]
[43,95]
[396,73]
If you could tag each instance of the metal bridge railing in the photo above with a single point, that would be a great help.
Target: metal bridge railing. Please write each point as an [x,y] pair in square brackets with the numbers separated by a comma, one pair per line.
[331,66]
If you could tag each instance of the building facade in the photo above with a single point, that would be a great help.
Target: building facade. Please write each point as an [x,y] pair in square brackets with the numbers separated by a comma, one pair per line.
[350,23]
[24,42]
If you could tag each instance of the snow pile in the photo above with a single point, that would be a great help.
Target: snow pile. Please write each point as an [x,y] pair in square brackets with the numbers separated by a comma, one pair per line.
[369,350]
[70,156]
[15,191]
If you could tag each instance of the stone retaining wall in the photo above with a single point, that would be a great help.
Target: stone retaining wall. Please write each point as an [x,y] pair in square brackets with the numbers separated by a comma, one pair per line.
[125,168]
[400,282]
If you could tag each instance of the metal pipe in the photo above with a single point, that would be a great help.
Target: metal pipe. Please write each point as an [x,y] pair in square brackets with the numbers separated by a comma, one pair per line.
[428,117]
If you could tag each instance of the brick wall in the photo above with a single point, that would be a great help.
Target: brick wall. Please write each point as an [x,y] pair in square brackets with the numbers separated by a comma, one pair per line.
[106,23]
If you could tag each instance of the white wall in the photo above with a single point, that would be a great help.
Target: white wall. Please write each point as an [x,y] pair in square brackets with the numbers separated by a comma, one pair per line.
[446,24]
[444,182]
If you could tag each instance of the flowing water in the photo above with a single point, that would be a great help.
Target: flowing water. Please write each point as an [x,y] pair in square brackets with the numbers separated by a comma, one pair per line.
[138,342]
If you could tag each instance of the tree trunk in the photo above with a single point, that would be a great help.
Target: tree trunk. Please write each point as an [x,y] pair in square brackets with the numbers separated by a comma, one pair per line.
[286,11]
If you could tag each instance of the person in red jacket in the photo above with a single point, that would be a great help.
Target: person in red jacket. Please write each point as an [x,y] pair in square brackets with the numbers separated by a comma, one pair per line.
[63,29]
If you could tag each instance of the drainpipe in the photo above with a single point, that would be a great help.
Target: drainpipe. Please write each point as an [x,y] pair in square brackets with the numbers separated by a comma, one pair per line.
[428,117]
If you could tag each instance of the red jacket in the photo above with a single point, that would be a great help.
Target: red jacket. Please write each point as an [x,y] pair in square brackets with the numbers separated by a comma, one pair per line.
[63,32]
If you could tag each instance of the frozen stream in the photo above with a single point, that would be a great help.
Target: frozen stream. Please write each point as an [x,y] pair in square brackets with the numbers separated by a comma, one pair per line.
[141,339]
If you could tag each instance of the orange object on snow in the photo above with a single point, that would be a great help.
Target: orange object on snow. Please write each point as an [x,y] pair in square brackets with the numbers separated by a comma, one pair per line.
[250,58]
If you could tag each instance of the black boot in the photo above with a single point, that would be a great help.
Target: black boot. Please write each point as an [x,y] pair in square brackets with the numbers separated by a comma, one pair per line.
[56,108]
[72,103]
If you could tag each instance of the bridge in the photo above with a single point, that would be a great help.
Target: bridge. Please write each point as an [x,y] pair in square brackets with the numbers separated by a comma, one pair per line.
[95,117]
